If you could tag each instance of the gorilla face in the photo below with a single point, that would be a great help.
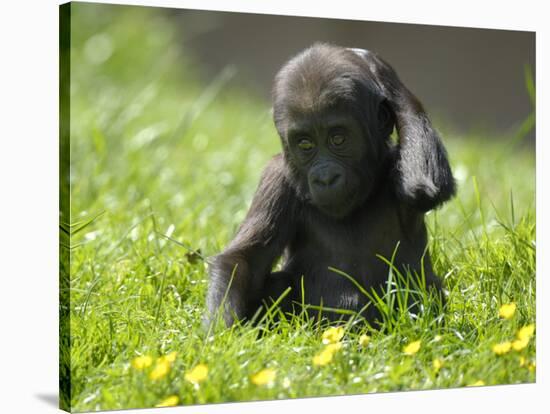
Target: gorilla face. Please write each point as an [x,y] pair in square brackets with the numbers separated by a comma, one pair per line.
[329,154]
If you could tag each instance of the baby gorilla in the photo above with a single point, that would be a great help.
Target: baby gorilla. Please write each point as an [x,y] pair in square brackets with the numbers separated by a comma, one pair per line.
[341,195]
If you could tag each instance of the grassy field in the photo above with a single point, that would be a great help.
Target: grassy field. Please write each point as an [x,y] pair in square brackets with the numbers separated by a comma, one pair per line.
[158,150]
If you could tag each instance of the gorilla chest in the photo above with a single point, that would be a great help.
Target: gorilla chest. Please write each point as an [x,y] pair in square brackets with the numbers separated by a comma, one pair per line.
[355,247]
[352,245]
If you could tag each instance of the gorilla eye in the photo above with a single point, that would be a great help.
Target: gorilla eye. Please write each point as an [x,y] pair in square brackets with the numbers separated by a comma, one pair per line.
[337,139]
[306,145]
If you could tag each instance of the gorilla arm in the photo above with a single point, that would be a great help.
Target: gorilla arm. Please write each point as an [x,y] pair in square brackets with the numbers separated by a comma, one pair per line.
[422,177]
[238,274]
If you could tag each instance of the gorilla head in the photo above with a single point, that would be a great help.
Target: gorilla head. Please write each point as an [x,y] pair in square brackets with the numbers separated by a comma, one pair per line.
[334,124]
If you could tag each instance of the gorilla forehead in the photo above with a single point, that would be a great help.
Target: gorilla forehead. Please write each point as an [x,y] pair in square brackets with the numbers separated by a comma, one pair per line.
[322,77]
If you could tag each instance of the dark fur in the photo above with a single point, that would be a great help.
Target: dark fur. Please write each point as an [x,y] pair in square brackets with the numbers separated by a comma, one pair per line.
[379,196]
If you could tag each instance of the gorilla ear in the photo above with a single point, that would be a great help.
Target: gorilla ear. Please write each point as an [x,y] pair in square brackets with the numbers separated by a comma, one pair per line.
[386,118]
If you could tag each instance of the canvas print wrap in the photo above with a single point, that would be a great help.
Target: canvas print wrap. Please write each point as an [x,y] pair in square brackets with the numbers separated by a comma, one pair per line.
[260,207]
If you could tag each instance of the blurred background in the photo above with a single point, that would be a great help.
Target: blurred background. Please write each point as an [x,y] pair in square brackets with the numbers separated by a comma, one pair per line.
[472,80]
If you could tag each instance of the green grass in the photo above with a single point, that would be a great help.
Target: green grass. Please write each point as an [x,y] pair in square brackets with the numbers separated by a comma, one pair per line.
[156,149]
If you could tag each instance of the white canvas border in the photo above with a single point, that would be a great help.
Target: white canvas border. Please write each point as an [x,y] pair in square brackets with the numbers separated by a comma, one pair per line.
[29,168]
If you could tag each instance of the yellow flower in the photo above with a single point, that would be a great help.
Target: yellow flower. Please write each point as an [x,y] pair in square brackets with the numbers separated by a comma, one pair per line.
[502,348]
[522,361]
[333,335]
[171,357]
[520,344]
[364,340]
[142,362]
[437,364]
[162,368]
[333,348]
[264,377]
[412,348]
[507,310]
[532,366]
[323,358]
[169,402]
[197,374]
[526,332]
[478,383]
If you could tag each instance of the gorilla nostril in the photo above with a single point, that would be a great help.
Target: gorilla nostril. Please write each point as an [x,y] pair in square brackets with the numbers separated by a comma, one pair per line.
[334,179]
[327,179]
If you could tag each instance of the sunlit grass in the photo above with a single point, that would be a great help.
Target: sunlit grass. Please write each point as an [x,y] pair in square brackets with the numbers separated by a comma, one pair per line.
[157,151]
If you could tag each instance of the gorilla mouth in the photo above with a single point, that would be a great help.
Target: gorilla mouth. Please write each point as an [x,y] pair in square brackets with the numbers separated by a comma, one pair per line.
[337,206]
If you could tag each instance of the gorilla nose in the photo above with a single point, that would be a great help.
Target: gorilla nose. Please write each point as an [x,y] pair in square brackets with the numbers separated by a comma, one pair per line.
[327,178]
